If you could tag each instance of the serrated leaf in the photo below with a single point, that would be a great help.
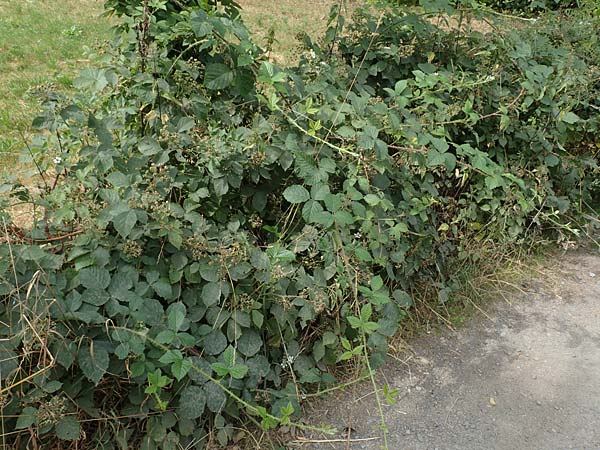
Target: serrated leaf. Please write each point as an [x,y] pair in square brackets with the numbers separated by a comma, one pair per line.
[570,118]
[376,283]
[354,322]
[163,288]
[94,278]
[211,294]
[435,158]
[171,356]
[215,397]
[180,368]
[93,79]
[149,146]
[402,298]
[552,160]
[257,318]
[68,428]
[318,351]
[296,194]
[192,402]
[27,418]
[166,337]
[93,362]
[52,386]
[147,310]
[217,76]
[125,222]
[372,199]
[366,311]
[249,343]
[238,371]
[176,316]
[311,210]
[175,239]
[214,342]
[199,23]
[199,365]
[96,297]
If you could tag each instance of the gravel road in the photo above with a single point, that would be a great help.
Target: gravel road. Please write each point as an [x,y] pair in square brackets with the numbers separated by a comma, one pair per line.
[526,377]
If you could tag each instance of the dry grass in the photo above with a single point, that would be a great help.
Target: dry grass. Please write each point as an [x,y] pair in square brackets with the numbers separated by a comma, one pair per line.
[286,19]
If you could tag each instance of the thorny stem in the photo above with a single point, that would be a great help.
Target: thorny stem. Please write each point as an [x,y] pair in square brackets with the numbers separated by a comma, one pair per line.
[241,401]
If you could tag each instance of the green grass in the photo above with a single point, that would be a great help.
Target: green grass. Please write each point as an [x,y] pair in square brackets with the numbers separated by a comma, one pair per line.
[41,42]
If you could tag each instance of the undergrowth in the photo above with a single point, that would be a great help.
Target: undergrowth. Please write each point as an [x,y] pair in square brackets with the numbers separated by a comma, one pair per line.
[220,235]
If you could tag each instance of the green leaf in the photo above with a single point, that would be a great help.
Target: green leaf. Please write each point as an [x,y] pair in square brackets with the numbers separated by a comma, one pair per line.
[372,199]
[249,343]
[176,316]
[163,288]
[171,356]
[376,283]
[200,371]
[570,118]
[27,418]
[370,327]
[215,397]
[214,342]
[125,222]
[312,212]
[362,254]
[402,298]
[199,23]
[257,318]
[217,76]
[156,380]
[147,310]
[68,428]
[354,322]
[180,368]
[149,146]
[365,312]
[229,356]
[211,294]
[552,160]
[192,402]
[343,218]
[318,351]
[52,386]
[220,369]
[94,278]
[175,239]
[435,158]
[93,79]
[238,371]
[93,362]
[96,297]
[296,194]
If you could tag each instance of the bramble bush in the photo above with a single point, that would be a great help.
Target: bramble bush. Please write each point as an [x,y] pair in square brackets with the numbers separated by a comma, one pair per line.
[219,233]
[527,7]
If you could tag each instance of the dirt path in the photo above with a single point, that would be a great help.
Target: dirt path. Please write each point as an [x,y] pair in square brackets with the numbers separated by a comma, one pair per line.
[527,378]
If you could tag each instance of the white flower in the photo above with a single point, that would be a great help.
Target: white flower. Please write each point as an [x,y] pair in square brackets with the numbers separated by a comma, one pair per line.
[57,160]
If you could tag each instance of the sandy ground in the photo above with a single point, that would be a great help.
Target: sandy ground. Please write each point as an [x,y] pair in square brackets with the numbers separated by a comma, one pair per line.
[525,378]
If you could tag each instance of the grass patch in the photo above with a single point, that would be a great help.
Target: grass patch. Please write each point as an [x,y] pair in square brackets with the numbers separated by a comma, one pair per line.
[41,42]
[284,20]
